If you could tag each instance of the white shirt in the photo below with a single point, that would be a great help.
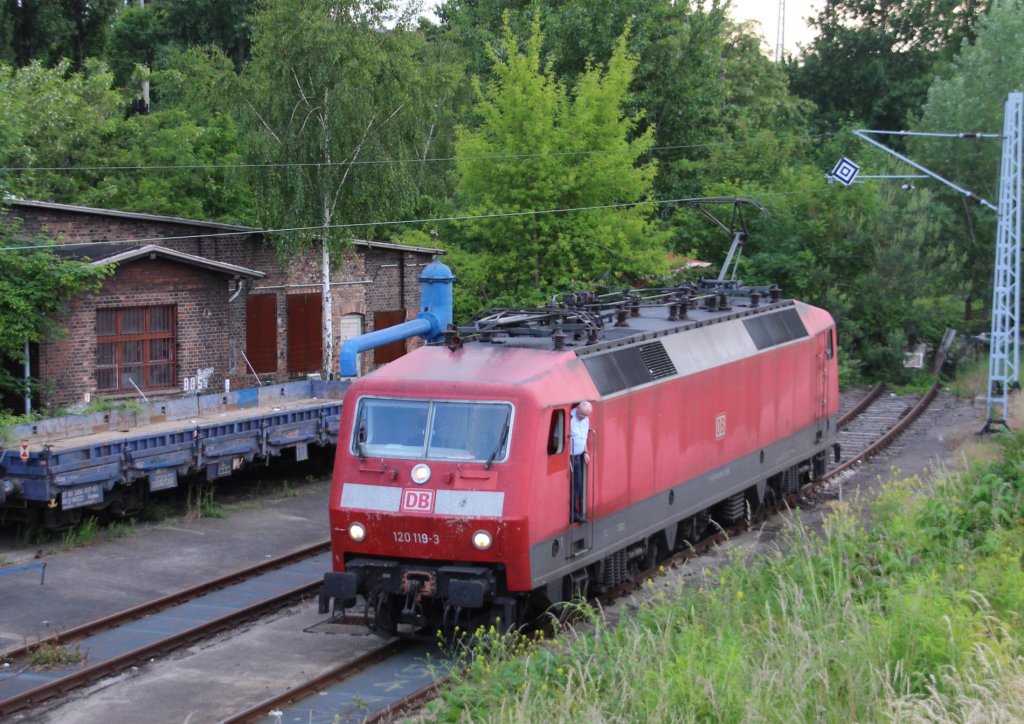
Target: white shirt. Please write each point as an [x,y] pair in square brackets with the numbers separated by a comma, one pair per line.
[578,431]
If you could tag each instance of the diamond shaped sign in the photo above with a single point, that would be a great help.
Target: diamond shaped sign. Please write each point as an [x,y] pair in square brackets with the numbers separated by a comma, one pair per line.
[845,171]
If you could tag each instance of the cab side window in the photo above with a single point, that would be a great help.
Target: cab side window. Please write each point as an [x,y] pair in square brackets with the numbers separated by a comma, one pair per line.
[830,345]
[556,432]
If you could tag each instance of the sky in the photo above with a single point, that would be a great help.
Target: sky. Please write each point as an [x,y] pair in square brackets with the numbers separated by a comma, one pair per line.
[766,12]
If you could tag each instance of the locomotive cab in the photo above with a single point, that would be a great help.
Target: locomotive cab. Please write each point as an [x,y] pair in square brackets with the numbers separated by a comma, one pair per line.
[421,484]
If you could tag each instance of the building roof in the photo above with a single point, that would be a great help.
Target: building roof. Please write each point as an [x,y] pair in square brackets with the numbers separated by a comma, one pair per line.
[152,251]
[52,206]
[398,247]
[49,205]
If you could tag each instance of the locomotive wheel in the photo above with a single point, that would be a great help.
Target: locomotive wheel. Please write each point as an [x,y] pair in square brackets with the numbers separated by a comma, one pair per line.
[575,585]
[701,521]
[384,615]
[820,464]
[654,553]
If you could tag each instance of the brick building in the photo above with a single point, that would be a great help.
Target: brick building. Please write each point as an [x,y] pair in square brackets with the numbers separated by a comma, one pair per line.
[192,304]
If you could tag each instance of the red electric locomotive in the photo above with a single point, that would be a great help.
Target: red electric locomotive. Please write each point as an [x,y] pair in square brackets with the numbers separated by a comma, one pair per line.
[451,499]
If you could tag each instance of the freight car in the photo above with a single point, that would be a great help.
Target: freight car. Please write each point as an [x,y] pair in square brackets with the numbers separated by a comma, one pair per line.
[451,495]
[110,462]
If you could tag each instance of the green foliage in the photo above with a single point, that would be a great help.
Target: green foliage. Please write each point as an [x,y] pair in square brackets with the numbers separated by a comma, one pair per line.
[198,81]
[84,534]
[328,90]
[201,503]
[971,98]
[52,30]
[29,311]
[54,118]
[136,39]
[171,138]
[918,613]
[872,63]
[540,147]
[61,120]
[224,24]
[56,655]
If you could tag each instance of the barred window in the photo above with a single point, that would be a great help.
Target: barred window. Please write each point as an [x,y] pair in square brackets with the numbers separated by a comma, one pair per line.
[136,345]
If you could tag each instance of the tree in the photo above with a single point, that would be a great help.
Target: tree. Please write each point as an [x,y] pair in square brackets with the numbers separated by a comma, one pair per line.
[539,147]
[71,126]
[873,255]
[34,284]
[971,98]
[137,38]
[872,62]
[701,80]
[50,30]
[337,100]
[54,119]
[206,188]
[220,23]
[148,34]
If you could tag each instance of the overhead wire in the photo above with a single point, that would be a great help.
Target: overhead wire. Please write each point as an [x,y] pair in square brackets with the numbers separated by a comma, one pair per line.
[318,164]
[365,224]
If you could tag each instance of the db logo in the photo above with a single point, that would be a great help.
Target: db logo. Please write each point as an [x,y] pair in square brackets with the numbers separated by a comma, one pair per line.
[417,500]
[720,426]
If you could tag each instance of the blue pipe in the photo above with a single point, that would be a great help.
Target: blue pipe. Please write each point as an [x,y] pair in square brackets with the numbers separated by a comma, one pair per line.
[349,362]
[436,302]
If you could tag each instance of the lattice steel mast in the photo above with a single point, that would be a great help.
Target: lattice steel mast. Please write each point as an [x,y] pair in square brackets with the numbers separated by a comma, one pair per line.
[1004,359]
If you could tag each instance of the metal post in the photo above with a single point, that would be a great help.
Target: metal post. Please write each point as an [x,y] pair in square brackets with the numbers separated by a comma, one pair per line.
[780,32]
[1004,358]
[28,380]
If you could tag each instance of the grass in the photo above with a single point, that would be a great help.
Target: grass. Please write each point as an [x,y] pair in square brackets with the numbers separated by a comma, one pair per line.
[120,529]
[200,502]
[88,532]
[85,533]
[157,510]
[52,656]
[971,378]
[915,618]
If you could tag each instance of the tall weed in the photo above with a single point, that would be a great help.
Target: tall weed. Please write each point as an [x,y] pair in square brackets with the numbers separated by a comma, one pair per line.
[918,614]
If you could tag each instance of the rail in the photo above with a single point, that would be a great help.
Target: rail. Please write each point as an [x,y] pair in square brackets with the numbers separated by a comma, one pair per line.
[284,590]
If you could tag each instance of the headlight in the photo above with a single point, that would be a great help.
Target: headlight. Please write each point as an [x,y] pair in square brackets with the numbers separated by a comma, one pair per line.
[420,474]
[357,532]
[482,540]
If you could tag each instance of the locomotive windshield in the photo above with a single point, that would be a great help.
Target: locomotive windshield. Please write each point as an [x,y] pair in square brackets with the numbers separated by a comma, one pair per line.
[432,430]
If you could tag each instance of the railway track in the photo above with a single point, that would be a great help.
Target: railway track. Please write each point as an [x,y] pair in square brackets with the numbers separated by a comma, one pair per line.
[353,691]
[117,642]
[873,428]
[363,689]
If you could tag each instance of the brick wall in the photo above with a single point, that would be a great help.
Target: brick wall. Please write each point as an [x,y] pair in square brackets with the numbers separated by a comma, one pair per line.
[363,281]
[68,365]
